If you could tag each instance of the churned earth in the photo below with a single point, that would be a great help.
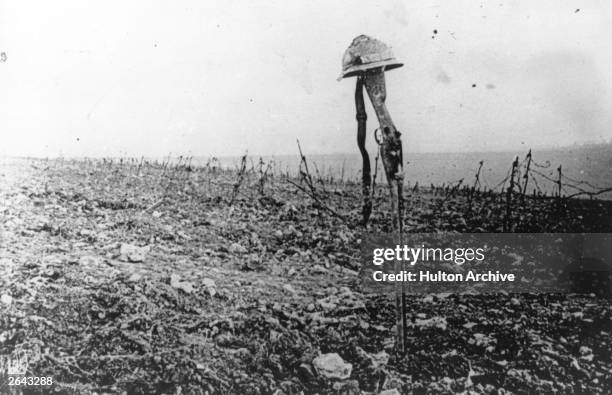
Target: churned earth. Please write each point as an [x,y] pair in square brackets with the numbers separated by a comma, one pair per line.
[135,277]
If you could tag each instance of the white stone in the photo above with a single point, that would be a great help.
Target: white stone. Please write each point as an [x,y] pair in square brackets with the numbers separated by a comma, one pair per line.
[332,366]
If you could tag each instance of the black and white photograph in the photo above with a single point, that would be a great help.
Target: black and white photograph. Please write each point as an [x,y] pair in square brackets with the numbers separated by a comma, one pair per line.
[300,197]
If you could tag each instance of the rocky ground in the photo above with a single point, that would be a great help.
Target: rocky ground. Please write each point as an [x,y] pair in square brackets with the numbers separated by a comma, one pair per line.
[132,277]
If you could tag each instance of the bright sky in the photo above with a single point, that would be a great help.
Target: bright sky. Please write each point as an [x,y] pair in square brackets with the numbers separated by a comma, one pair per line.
[146,77]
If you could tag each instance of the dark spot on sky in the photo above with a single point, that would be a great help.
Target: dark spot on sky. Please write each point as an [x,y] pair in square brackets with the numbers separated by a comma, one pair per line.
[155,45]
[473,85]
[490,86]
[78,139]
[577,10]
[435,31]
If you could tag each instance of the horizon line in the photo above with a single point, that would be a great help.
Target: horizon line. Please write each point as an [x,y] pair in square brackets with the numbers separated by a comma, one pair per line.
[356,152]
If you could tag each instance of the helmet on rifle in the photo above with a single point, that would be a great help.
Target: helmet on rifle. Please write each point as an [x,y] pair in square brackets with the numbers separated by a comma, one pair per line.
[366,53]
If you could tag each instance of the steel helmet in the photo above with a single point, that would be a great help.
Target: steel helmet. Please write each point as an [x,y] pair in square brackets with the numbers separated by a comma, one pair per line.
[366,53]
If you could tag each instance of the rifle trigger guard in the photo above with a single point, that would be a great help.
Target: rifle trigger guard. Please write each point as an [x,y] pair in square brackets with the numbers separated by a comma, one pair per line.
[376,134]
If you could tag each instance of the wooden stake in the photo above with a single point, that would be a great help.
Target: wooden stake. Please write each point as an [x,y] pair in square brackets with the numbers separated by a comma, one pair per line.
[476,184]
[559,185]
[506,225]
[526,176]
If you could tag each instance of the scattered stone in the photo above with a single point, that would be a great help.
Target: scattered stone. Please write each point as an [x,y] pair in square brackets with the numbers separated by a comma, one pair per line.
[89,260]
[332,366]
[135,277]
[184,286]
[433,322]
[326,305]
[237,248]
[132,253]
[275,336]
[4,336]
[428,299]
[586,353]
[86,232]
[380,328]
[289,288]
[224,340]
[6,299]
[210,286]
[348,387]
[183,235]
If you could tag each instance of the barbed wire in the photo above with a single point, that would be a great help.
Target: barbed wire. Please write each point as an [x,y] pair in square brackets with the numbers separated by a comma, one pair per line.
[543,175]
[562,183]
[578,182]
[503,182]
[536,164]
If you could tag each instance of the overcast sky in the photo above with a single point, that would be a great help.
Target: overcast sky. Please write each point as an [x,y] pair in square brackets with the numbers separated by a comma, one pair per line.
[147,78]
